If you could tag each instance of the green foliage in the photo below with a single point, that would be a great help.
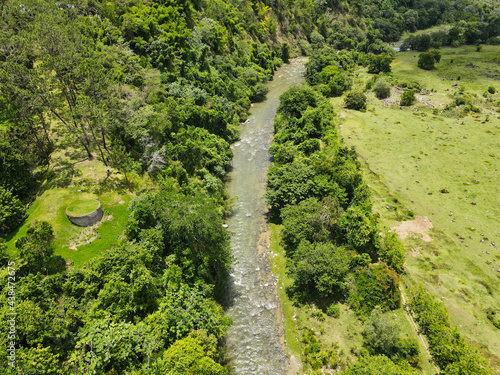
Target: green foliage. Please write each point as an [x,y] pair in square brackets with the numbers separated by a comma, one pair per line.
[310,220]
[194,354]
[333,310]
[492,89]
[289,184]
[392,251]
[377,285]
[296,100]
[16,165]
[451,352]
[427,60]
[377,365]
[407,98]
[380,64]
[334,80]
[104,346]
[321,268]
[316,354]
[38,360]
[355,100]
[382,89]
[12,211]
[185,309]
[382,336]
[36,249]
[358,229]
[191,229]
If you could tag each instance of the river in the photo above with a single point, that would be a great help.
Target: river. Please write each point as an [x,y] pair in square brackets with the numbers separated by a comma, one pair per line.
[255,341]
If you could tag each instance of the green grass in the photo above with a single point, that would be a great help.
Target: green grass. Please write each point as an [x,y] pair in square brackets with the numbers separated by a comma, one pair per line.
[51,207]
[82,207]
[410,155]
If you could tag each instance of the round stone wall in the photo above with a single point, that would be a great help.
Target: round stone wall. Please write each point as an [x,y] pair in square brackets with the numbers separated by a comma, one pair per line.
[86,220]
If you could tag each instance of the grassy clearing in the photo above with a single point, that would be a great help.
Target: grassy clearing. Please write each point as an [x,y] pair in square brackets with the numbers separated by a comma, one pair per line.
[411,155]
[74,183]
[78,244]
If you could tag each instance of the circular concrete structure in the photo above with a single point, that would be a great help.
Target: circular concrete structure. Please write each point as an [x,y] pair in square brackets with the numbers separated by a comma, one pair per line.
[88,219]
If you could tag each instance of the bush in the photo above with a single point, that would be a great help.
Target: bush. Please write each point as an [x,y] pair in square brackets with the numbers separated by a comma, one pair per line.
[492,89]
[333,310]
[336,81]
[355,100]
[382,89]
[427,60]
[408,98]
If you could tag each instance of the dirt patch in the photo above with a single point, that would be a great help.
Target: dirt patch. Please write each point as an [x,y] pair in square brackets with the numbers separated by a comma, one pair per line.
[420,225]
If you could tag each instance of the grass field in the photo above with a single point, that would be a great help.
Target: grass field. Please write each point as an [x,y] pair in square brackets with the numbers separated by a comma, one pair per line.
[423,161]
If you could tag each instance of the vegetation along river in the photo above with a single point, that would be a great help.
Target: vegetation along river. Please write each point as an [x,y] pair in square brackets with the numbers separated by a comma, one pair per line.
[256,339]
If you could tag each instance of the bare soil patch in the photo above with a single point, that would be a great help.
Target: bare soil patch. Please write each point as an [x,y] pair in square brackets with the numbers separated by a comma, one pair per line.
[420,225]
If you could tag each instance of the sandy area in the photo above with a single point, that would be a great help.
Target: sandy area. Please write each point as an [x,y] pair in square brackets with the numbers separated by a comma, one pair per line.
[420,225]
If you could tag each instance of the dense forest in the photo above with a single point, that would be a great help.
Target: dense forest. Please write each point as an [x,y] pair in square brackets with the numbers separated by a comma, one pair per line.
[155,92]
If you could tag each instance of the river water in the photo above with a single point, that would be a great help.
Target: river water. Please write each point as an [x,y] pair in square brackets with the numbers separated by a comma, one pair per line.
[255,341]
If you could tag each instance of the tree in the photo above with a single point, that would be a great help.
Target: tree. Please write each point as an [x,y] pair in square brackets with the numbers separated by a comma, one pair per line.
[321,269]
[191,228]
[37,249]
[355,100]
[185,309]
[380,64]
[38,360]
[335,80]
[296,99]
[310,220]
[359,229]
[11,211]
[427,59]
[105,346]
[285,52]
[407,98]
[382,335]
[194,354]
[289,184]
[392,251]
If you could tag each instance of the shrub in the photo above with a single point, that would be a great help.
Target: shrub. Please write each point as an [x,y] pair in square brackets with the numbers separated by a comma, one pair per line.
[382,89]
[355,100]
[333,310]
[427,60]
[408,98]
[492,89]
[335,79]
